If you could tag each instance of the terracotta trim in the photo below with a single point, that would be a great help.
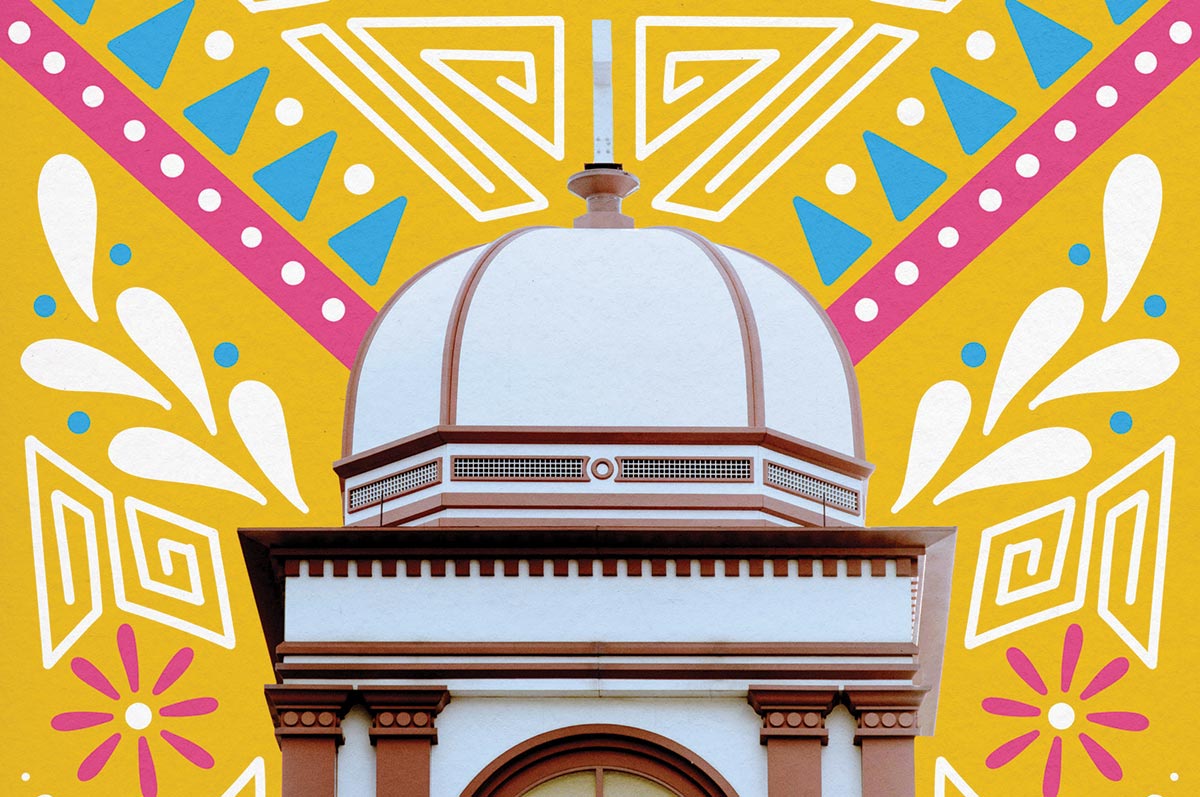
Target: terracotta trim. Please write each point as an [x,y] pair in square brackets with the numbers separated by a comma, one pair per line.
[402,765]
[405,711]
[887,767]
[858,500]
[437,463]
[311,711]
[603,435]
[360,671]
[751,345]
[886,711]
[740,460]
[596,649]
[934,607]
[583,461]
[309,766]
[793,766]
[603,468]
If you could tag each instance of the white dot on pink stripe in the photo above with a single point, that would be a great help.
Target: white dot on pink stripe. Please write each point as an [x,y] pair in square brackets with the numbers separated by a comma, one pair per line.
[54,62]
[866,309]
[948,237]
[134,130]
[1181,32]
[1028,165]
[1145,62]
[1106,96]
[251,237]
[990,199]
[209,200]
[292,272]
[907,272]
[18,32]
[92,96]
[333,309]
[1065,130]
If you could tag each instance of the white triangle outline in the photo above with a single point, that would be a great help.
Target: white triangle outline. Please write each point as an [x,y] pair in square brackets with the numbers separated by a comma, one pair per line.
[256,770]
[944,771]
[437,59]
[672,91]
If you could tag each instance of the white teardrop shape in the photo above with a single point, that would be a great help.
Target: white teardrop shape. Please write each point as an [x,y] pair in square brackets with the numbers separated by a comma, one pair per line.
[1121,367]
[70,365]
[1047,323]
[1132,205]
[941,417]
[67,205]
[152,323]
[258,417]
[1033,457]
[164,456]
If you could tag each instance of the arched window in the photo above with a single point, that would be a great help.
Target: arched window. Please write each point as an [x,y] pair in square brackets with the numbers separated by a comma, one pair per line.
[599,761]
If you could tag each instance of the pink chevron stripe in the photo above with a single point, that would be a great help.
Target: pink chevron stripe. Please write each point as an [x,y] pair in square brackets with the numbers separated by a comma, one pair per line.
[313,303]
[875,306]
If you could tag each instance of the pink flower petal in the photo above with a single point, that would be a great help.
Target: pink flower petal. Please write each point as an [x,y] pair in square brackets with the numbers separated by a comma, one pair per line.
[146,774]
[175,668]
[96,759]
[194,707]
[1009,708]
[127,645]
[1024,668]
[1121,720]
[1103,760]
[77,720]
[1052,774]
[1072,646]
[1109,674]
[1010,750]
[86,671]
[188,749]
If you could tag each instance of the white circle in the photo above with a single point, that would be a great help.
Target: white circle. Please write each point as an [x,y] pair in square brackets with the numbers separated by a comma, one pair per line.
[1106,96]
[990,199]
[54,62]
[171,165]
[1064,130]
[981,45]
[948,237]
[866,309]
[93,96]
[134,130]
[840,179]
[218,45]
[289,111]
[910,111]
[1175,775]
[1145,62]
[292,272]
[18,32]
[333,309]
[1028,165]
[24,775]
[209,200]
[907,272]
[359,179]
[251,237]
[1061,716]
[1181,32]
[138,716]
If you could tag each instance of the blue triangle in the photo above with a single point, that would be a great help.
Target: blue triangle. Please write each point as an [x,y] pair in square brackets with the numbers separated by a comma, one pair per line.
[364,245]
[1121,10]
[292,180]
[907,180]
[148,48]
[835,245]
[1051,48]
[80,10]
[223,115]
[975,114]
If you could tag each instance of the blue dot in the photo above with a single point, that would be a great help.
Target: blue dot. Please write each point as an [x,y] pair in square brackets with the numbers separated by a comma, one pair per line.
[225,354]
[45,306]
[120,254]
[1079,254]
[1155,306]
[1121,422]
[79,422]
[973,354]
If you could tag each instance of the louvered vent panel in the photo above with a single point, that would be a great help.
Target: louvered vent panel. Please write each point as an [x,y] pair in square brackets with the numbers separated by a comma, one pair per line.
[519,468]
[811,487]
[406,481]
[699,469]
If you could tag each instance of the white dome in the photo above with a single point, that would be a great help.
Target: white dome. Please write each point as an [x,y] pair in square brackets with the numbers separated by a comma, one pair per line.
[551,327]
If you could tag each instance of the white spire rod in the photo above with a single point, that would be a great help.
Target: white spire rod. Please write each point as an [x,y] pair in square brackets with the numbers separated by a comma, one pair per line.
[602,91]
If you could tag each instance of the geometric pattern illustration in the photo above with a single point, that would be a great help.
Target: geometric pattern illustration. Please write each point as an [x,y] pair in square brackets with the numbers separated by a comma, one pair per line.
[1021,577]
[68,590]
[179,576]
[256,772]
[1133,508]
[944,772]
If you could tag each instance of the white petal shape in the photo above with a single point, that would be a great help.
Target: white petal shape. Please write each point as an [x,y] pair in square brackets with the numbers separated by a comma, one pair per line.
[67,204]
[152,323]
[1132,205]
[71,365]
[941,417]
[1128,365]
[1047,323]
[1033,457]
[258,417]
[166,457]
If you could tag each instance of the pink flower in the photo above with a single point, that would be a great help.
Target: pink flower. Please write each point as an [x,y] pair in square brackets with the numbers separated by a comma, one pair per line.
[138,716]
[1061,715]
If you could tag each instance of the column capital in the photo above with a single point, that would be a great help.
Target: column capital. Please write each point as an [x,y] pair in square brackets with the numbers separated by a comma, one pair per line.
[405,711]
[308,710]
[886,711]
[792,711]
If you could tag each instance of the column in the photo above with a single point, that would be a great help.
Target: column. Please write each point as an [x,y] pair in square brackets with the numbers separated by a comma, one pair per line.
[403,731]
[308,729]
[887,724]
[793,731]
